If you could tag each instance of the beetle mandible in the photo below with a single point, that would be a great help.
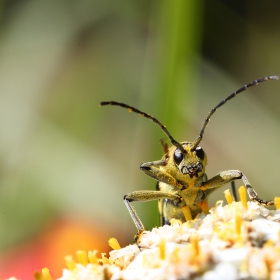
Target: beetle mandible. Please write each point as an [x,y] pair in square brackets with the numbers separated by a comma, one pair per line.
[182,184]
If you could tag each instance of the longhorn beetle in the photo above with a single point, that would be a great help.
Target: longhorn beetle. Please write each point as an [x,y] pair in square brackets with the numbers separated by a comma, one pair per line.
[182,185]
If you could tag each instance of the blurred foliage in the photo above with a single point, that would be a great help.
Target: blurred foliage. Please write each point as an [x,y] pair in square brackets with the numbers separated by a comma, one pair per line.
[63,157]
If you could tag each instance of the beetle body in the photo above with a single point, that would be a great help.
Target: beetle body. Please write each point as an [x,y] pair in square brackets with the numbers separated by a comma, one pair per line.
[186,173]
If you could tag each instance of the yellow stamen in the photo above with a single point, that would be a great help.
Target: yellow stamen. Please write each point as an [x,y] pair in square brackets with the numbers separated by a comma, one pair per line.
[37,276]
[162,249]
[145,261]
[218,203]
[82,257]
[70,263]
[92,257]
[114,244]
[187,213]
[104,259]
[228,196]
[238,223]
[277,202]
[244,266]
[242,196]
[204,206]
[268,265]
[175,255]
[195,244]
[269,243]
[46,274]
[175,222]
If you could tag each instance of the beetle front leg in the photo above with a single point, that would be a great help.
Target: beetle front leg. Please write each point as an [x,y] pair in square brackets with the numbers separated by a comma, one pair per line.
[146,196]
[253,194]
[153,169]
[228,176]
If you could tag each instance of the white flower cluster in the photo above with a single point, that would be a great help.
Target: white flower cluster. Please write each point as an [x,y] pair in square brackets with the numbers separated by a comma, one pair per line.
[231,242]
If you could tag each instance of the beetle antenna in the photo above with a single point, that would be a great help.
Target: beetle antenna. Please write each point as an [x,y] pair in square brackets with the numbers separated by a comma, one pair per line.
[206,121]
[143,114]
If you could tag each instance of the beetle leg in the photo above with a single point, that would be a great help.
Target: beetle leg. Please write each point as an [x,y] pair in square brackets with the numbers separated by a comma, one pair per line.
[253,194]
[153,169]
[145,196]
[139,225]
[228,176]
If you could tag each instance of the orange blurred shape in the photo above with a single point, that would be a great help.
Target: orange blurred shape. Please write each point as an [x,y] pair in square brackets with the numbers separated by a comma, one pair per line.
[48,249]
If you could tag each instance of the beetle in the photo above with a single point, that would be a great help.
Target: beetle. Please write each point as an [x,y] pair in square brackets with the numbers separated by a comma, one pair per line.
[182,184]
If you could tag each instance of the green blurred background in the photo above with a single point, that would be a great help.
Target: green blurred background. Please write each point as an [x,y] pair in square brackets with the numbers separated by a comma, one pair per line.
[64,157]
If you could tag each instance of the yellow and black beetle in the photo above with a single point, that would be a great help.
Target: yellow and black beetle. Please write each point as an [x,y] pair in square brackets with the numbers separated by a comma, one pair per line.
[183,187]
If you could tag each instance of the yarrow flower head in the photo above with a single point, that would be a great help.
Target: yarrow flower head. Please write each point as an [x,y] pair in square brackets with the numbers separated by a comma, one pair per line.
[236,241]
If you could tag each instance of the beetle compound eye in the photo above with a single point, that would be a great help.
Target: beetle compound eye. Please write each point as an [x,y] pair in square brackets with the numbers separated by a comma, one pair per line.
[199,152]
[178,156]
